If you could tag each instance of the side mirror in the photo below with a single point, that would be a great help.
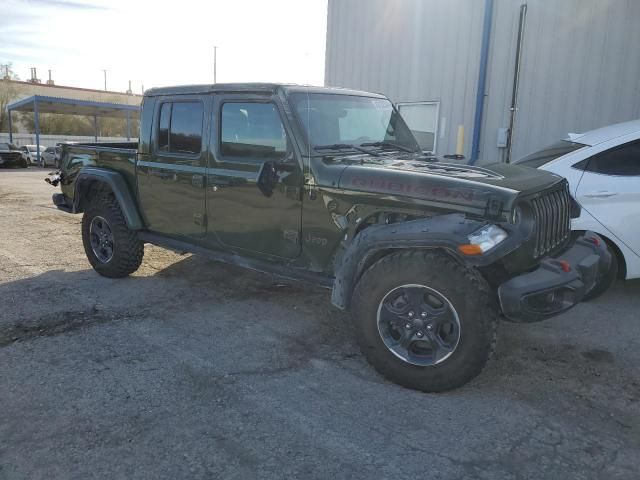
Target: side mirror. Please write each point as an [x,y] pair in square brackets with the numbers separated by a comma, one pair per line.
[268,178]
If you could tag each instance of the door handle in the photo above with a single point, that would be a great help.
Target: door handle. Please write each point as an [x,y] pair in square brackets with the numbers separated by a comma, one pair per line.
[600,194]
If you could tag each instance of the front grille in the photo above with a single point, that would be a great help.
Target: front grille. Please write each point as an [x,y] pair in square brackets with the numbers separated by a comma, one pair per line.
[10,156]
[552,211]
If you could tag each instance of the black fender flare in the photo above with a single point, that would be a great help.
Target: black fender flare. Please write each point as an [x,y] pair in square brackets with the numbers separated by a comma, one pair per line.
[445,231]
[118,186]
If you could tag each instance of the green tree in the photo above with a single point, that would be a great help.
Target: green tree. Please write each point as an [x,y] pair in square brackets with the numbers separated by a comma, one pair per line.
[56,124]
[8,92]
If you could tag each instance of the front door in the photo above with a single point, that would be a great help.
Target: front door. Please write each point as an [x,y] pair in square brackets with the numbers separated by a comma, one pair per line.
[246,132]
[610,191]
[171,178]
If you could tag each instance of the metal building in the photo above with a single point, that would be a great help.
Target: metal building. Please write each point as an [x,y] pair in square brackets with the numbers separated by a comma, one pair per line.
[451,66]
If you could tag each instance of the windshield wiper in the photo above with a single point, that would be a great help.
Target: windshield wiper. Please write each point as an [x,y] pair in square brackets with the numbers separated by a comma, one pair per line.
[346,146]
[388,144]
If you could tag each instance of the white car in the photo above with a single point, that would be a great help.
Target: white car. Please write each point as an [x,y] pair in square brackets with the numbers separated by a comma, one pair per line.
[603,170]
[29,153]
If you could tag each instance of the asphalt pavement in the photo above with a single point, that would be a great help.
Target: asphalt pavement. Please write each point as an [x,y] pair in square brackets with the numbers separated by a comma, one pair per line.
[196,369]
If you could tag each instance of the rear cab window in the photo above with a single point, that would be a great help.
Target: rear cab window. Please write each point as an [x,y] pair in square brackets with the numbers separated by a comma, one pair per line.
[180,127]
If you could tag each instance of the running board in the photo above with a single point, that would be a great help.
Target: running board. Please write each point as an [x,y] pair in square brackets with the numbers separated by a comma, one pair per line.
[233,259]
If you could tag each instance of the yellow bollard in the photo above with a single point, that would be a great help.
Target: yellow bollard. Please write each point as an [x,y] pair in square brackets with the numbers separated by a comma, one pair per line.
[460,141]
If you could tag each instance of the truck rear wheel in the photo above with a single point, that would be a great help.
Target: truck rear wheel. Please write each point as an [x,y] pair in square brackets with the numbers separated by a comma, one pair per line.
[424,321]
[113,250]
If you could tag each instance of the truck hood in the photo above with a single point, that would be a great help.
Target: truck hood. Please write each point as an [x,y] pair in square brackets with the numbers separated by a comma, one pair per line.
[442,184]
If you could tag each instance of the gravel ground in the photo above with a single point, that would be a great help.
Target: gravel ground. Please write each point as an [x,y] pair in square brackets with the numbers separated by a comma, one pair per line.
[194,369]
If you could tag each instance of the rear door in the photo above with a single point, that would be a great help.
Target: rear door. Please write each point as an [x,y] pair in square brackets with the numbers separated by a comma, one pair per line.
[171,177]
[610,191]
[248,130]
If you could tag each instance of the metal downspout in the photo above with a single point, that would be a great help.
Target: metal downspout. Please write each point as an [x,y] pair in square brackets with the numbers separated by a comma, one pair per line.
[482,80]
[516,79]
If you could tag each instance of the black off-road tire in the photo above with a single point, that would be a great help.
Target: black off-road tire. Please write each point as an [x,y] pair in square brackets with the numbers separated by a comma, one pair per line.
[24,163]
[607,280]
[128,250]
[463,287]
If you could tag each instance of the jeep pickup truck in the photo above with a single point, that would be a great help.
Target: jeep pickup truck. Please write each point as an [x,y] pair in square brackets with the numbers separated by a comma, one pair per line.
[329,186]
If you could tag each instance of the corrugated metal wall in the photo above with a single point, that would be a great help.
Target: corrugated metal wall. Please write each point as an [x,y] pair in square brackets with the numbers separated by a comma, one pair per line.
[580,66]
[410,50]
[580,70]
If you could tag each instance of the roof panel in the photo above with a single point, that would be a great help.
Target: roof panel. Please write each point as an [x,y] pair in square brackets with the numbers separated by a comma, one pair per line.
[603,134]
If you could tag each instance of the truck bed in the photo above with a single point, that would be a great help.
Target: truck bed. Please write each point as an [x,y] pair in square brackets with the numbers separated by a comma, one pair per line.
[118,156]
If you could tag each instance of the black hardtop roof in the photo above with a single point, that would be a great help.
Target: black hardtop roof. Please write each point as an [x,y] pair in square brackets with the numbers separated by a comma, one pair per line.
[266,88]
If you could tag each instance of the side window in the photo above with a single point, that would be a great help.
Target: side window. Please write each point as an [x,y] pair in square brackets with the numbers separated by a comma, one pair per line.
[180,127]
[252,130]
[623,161]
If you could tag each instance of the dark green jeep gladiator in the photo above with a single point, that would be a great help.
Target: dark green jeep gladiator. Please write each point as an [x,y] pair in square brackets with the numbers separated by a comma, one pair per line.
[329,186]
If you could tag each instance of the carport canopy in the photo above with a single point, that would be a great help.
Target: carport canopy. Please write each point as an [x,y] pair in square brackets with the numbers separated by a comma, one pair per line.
[38,104]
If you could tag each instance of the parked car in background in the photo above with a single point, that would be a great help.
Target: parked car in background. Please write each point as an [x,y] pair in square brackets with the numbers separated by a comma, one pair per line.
[58,155]
[603,170]
[11,156]
[29,153]
[49,157]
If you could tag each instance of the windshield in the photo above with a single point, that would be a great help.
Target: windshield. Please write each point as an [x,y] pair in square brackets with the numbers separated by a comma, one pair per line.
[547,154]
[8,146]
[32,148]
[348,120]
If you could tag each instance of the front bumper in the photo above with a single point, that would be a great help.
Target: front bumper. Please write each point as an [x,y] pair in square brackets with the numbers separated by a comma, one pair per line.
[11,162]
[558,283]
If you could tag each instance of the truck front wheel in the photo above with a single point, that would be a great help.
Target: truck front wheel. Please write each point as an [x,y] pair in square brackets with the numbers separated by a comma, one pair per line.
[113,250]
[425,321]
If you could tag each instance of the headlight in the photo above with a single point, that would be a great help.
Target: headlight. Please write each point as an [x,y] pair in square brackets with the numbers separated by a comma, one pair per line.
[483,240]
[516,215]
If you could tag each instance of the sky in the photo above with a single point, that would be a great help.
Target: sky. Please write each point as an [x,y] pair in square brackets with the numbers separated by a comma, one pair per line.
[156,43]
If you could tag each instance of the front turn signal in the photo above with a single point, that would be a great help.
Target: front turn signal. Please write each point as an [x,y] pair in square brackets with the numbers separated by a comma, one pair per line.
[470,249]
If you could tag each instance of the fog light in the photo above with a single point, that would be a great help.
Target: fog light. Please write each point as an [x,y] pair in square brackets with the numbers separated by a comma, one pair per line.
[594,240]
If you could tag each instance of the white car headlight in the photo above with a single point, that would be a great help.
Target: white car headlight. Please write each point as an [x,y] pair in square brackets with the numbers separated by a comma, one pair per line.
[483,240]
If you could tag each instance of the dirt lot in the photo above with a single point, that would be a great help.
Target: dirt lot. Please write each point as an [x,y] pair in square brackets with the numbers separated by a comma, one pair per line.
[194,369]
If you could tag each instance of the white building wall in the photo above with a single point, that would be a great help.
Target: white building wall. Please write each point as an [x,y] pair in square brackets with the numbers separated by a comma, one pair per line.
[20,139]
[580,66]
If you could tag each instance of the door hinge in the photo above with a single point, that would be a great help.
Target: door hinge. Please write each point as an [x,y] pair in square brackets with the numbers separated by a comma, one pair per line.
[292,193]
[200,219]
[197,181]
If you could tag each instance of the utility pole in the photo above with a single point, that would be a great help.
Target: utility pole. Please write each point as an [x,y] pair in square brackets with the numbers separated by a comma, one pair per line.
[105,80]
[215,62]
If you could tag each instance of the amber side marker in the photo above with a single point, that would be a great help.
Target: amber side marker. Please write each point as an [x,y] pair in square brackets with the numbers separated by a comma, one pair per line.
[470,249]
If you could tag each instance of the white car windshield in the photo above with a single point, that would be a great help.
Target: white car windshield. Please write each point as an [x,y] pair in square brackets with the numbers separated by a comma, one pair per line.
[550,153]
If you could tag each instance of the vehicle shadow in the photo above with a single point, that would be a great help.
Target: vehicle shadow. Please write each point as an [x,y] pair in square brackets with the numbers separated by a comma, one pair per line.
[560,358]
[192,288]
